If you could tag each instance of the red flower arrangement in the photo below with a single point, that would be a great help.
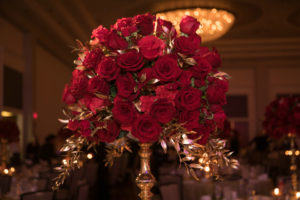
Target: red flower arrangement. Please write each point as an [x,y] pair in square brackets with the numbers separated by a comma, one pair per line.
[282,116]
[9,131]
[142,80]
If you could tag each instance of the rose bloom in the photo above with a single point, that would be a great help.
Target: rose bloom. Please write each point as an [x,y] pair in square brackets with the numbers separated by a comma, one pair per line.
[67,97]
[188,99]
[145,75]
[92,58]
[151,47]
[110,133]
[125,85]
[165,28]
[94,103]
[145,23]
[213,57]
[189,25]
[166,68]
[188,45]
[201,130]
[97,84]
[130,61]
[101,33]
[189,118]
[73,125]
[146,129]
[78,85]
[85,128]
[116,42]
[124,112]
[202,68]
[108,69]
[216,91]
[162,110]
[125,26]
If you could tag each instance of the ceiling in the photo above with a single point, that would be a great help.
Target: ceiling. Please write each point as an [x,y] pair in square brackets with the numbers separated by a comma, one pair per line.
[55,24]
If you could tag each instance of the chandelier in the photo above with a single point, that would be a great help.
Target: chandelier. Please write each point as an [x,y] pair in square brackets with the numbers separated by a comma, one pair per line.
[214,22]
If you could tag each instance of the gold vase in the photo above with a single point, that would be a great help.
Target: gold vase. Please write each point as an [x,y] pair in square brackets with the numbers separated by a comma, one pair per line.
[293,166]
[145,180]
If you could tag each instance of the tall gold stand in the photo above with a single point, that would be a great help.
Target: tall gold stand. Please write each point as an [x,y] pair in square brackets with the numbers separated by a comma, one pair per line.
[145,180]
[293,166]
[3,153]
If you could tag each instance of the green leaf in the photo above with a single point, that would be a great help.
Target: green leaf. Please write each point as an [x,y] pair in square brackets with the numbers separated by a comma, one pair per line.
[193,82]
[113,91]
[122,133]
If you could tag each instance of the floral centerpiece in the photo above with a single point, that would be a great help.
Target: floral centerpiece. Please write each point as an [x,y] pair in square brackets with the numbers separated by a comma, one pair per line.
[140,80]
[282,116]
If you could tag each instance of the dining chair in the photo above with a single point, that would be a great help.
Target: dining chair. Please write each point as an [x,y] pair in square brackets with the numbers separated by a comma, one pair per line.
[39,195]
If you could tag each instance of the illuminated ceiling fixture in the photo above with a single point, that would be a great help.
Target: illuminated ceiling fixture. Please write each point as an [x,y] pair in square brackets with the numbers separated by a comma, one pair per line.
[6,114]
[214,22]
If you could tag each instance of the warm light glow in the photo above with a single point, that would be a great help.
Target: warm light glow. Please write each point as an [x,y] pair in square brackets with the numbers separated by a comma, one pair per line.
[214,22]
[89,156]
[276,192]
[12,169]
[297,195]
[6,114]
[206,169]
[297,153]
[5,171]
[64,161]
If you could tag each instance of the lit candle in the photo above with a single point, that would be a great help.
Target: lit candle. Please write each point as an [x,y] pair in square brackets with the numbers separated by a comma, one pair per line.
[276,192]
[89,156]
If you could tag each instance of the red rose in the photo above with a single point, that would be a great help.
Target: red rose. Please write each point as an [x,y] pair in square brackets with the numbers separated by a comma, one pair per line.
[202,131]
[188,99]
[199,82]
[166,68]
[73,125]
[85,128]
[151,47]
[130,61]
[214,58]
[92,58]
[101,33]
[108,69]
[187,45]
[67,97]
[146,129]
[185,79]
[78,85]
[145,23]
[110,133]
[219,118]
[116,42]
[97,104]
[166,29]
[189,25]
[125,85]
[190,119]
[97,84]
[202,68]
[162,110]
[125,26]
[216,91]
[124,112]
[163,91]
[145,75]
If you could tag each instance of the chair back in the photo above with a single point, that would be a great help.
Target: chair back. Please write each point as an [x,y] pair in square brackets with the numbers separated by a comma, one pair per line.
[40,195]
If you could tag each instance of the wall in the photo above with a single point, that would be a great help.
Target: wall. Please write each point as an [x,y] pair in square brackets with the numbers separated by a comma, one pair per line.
[51,76]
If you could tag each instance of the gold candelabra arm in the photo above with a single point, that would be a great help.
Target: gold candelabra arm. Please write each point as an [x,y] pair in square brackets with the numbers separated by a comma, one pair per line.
[145,180]
[293,166]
